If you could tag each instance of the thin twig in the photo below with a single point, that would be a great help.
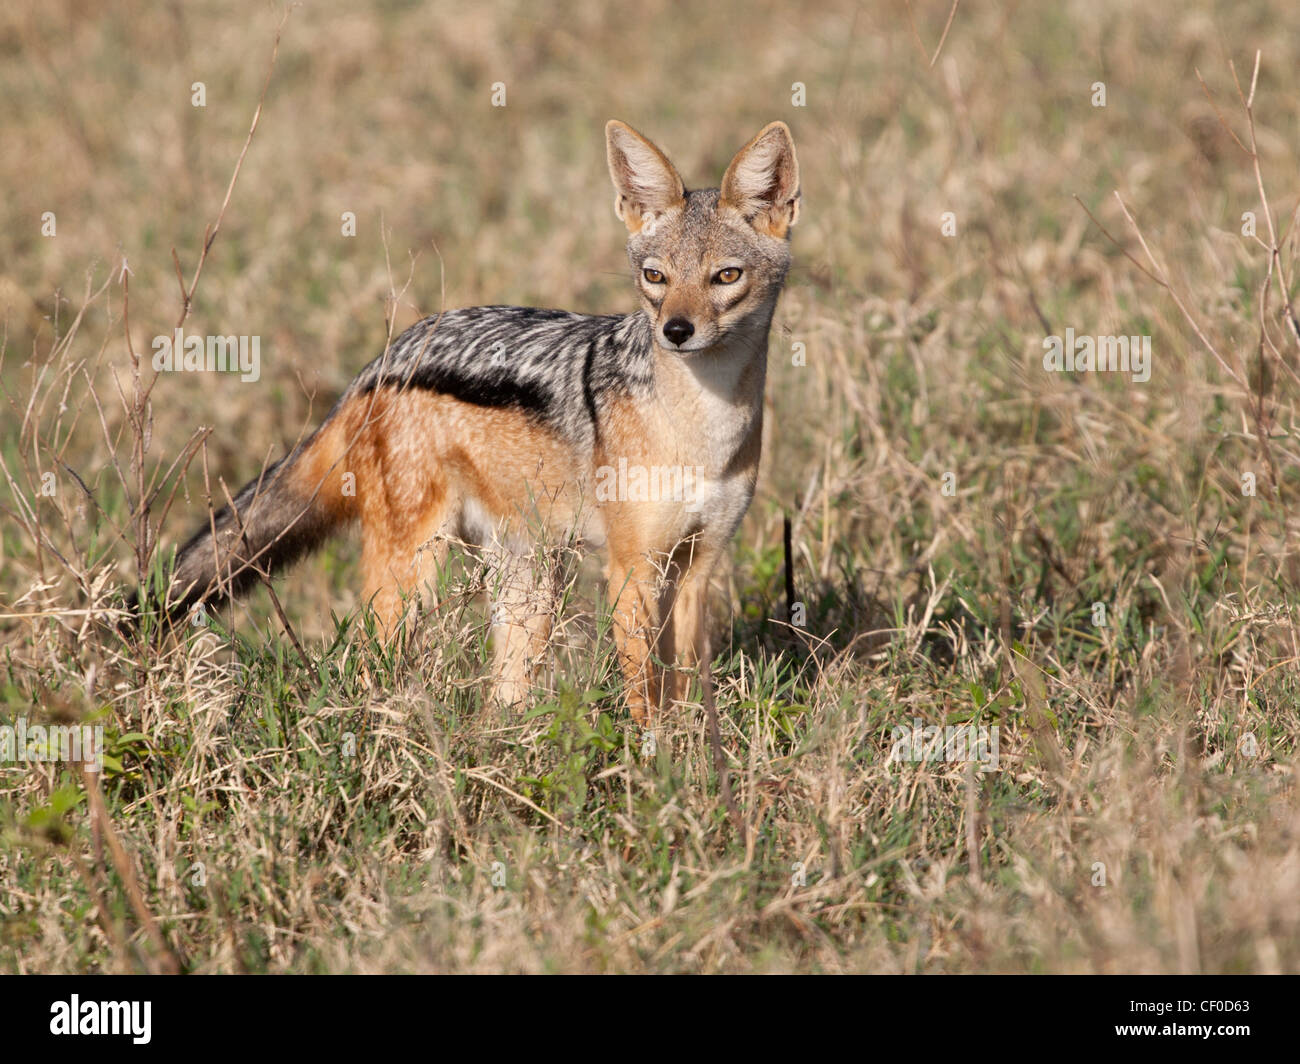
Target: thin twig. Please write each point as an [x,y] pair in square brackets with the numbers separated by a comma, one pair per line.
[210,231]
[715,742]
[166,961]
[946,27]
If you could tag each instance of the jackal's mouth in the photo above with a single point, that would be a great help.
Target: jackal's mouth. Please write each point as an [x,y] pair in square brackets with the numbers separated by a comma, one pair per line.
[693,346]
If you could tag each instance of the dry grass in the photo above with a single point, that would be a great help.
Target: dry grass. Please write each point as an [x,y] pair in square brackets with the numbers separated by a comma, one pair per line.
[363,812]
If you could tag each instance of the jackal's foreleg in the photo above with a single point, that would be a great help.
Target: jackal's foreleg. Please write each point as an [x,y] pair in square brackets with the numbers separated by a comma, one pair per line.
[635,590]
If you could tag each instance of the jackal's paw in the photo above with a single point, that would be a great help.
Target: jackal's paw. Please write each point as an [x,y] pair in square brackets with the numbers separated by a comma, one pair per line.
[510,695]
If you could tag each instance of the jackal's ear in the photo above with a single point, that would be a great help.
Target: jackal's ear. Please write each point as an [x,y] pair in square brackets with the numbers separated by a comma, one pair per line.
[645,181]
[762,181]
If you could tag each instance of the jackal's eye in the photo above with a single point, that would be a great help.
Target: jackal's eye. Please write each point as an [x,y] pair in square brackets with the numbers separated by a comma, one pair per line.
[653,276]
[728,276]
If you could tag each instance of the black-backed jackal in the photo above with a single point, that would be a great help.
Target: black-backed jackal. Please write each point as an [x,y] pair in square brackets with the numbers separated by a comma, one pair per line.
[492,424]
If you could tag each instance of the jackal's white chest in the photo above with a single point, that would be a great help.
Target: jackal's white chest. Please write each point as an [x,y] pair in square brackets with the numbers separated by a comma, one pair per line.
[680,461]
[712,418]
[714,402]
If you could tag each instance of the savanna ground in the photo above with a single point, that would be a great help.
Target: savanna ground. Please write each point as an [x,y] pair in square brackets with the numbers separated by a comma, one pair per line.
[283,795]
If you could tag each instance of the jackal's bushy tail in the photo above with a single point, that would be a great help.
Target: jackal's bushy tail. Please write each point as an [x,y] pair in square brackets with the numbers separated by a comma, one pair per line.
[285,512]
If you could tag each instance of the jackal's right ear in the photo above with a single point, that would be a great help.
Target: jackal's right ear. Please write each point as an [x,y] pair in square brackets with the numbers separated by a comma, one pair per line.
[645,181]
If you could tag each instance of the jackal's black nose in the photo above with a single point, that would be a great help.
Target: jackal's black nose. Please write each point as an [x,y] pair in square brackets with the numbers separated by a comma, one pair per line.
[678,330]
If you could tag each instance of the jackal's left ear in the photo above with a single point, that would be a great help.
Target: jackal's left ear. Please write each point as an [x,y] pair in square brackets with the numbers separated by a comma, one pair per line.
[645,181]
[762,181]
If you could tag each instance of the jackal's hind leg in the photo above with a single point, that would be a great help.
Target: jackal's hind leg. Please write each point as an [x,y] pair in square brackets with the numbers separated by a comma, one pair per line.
[399,560]
[525,593]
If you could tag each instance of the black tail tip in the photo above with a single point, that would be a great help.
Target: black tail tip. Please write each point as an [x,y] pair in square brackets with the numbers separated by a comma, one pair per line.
[128,624]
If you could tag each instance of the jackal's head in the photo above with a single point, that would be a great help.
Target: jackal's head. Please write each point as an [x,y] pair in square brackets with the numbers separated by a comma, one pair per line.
[709,264]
